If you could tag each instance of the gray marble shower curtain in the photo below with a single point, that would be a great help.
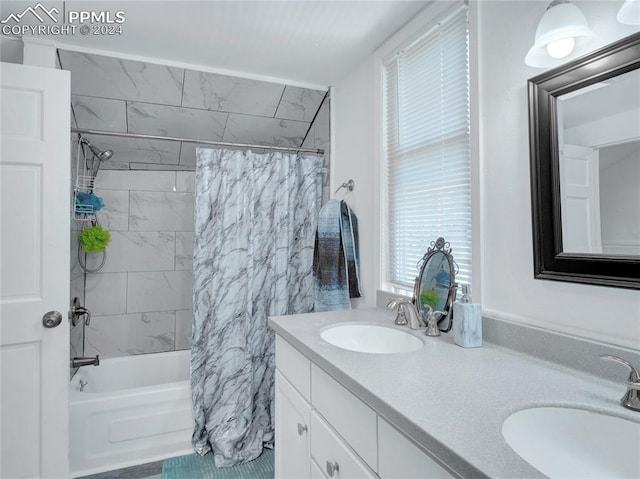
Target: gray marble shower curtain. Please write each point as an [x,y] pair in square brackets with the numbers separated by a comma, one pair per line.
[255,223]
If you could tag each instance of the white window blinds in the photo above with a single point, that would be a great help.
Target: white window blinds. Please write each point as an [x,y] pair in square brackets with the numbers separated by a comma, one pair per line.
[427,124]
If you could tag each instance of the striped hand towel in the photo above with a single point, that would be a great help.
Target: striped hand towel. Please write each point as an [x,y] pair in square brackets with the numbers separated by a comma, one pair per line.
[335,259]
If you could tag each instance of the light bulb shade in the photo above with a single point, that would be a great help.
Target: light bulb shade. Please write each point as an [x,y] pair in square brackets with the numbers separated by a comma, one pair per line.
[560,21]
[629,12]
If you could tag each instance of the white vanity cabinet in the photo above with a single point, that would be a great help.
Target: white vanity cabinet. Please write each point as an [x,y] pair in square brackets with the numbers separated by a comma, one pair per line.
[323,431]
[293,415]
[398,457]
[332,455]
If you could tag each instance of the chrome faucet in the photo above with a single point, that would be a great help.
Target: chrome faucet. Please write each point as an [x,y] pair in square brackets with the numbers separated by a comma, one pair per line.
[79,362]
[432,321]
[631,399]
[405,307]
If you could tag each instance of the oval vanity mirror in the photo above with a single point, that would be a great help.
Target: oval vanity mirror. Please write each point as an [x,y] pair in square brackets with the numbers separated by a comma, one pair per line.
[435,285]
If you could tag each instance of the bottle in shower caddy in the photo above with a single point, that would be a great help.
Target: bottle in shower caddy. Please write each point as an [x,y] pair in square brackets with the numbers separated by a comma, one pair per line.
[467,321]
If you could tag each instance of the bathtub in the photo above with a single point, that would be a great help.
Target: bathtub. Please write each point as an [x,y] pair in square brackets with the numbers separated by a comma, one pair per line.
[130,411]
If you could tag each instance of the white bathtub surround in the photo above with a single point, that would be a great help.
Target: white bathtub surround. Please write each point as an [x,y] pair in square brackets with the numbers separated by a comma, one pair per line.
[130,411]
[253,252]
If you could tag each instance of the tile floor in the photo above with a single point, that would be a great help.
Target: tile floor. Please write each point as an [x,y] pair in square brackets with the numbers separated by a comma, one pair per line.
[153,470]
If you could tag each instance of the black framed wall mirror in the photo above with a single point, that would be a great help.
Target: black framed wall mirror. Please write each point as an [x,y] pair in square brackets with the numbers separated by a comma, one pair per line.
[584,134]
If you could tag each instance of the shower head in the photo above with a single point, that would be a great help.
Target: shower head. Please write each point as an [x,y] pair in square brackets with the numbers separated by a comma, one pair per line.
[101,155]
[97,155]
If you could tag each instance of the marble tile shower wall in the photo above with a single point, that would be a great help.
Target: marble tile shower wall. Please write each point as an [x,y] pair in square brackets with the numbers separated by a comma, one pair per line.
[142,298]
[135,97]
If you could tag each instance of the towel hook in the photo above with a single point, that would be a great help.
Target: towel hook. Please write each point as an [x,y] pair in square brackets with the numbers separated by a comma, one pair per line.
[349,185]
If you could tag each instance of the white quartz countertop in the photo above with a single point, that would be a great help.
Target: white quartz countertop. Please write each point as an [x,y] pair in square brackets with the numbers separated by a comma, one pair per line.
[450,400]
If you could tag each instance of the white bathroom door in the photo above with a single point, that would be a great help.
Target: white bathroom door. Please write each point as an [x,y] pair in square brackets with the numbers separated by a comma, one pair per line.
[580,199]
[34,255]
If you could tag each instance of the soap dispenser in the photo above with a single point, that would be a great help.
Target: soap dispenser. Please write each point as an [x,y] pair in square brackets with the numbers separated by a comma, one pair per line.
[467,321]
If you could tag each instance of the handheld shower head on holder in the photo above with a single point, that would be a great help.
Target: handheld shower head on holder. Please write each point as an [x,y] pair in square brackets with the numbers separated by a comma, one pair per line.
[99,154]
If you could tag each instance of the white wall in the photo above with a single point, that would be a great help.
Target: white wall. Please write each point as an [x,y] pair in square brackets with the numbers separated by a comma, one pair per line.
[352,104]
[505,30]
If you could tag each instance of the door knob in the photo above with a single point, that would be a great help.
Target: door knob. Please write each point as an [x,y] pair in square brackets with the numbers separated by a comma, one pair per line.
[332,468]
[51,319]
[302,429]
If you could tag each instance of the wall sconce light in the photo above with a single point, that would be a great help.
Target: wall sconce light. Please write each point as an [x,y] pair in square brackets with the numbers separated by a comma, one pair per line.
[629,12]
[562,30]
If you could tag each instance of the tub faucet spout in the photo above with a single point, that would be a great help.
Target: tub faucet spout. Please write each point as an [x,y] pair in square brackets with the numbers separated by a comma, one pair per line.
[79,362]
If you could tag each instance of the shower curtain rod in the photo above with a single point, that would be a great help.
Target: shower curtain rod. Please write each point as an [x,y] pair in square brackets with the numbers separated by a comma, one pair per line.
[320,151]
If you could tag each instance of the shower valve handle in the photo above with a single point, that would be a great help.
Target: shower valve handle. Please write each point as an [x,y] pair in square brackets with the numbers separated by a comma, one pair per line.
[78,311]
[87,316]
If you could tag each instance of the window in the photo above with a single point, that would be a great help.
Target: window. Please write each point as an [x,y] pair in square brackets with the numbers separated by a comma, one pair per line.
[427,123]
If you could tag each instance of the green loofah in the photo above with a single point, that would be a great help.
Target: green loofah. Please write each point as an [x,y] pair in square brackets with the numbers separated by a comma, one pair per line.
[430,297]
[94,239]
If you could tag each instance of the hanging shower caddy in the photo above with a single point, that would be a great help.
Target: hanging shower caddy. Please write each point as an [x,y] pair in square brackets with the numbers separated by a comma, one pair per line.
[82,211]
[84,183]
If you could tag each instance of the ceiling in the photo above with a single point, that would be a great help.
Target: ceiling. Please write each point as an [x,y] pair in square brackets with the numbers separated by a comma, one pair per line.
[607,98]
[313,42]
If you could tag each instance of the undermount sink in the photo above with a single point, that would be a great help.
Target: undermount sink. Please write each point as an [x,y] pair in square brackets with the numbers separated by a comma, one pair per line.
[369,338]
[565,442]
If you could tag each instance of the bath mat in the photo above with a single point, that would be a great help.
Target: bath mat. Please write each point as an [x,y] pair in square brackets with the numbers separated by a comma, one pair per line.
[195,466]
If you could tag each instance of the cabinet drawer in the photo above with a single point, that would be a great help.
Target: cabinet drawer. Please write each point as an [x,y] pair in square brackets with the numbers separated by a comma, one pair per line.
[294,366]
[399,457]
[327,449]
[353,419]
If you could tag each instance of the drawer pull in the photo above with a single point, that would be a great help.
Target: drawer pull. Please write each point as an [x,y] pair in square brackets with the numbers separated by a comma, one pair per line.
[332,467]
[302,429]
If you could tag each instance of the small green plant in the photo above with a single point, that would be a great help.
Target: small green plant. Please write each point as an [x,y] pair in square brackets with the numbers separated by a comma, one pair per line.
[430,297]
